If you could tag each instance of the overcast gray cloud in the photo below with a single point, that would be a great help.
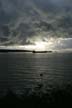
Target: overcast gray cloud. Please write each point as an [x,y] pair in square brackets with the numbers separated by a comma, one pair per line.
[24,19]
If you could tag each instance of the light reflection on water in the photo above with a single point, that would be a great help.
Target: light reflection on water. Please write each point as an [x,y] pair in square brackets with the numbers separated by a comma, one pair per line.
[21,71]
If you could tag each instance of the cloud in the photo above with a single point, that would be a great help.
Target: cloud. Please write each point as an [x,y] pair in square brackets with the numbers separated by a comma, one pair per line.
[28,19]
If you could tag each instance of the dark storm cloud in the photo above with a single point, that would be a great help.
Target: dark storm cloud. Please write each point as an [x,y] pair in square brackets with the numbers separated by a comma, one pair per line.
[20,19]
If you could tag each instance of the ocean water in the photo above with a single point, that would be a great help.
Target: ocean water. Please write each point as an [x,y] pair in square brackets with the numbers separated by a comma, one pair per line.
[23,72]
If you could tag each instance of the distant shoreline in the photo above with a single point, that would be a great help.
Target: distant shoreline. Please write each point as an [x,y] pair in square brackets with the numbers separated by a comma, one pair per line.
[34,51]
[14,50]
[22,50]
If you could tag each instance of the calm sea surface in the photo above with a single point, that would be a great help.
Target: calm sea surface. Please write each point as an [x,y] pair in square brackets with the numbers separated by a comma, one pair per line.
[22,72]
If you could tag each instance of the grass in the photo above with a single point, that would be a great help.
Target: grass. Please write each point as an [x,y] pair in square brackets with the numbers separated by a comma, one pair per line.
[55,97]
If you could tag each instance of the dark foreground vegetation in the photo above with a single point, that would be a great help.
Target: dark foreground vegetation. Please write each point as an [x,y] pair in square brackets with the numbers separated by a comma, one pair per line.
[55,97]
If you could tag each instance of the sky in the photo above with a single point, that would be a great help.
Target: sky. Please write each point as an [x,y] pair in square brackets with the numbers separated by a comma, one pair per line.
[24,22]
